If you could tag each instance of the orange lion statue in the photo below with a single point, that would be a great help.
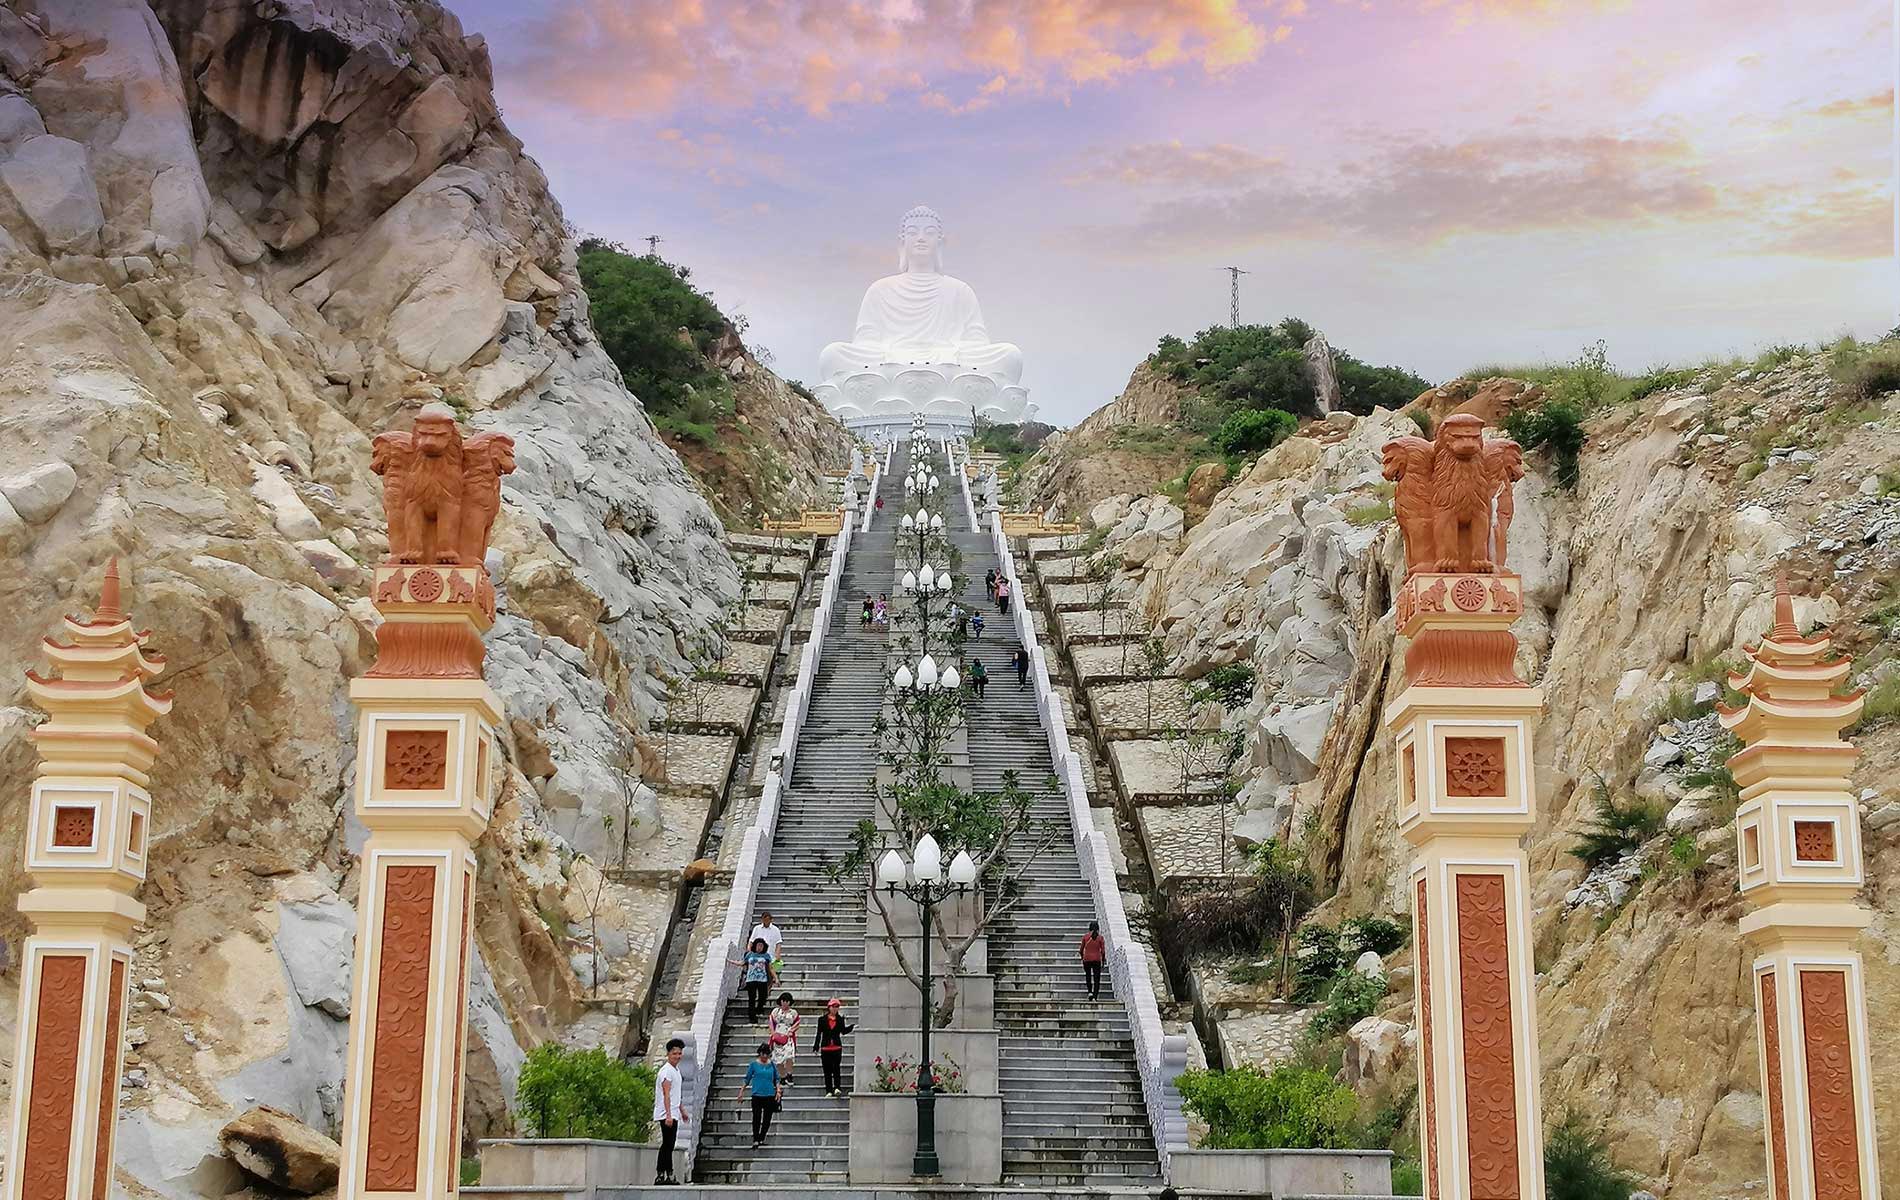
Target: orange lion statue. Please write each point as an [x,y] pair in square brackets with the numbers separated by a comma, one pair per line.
[441,493]
[1453,500]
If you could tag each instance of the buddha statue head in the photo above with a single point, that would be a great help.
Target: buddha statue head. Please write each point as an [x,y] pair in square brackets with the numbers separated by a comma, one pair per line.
[920,241]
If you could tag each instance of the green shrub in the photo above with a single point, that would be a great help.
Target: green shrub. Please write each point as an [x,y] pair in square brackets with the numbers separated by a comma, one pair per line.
[1578,1166]
[469,1172]
[1377,934]
[1363,387]
[1408,1178]
[1230,685]
[1254,430]
[1291,1108]
[1685,856]
[1240,918]
[1778,355]
[1556,424]
[1616,828]
[1422,419]
[1661,379]
[1317,960]
[1352,998]
[639,304]
[566,1093]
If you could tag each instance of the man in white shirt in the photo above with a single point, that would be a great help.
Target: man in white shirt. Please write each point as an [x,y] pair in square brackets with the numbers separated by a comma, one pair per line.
[770,932]
[668,1108]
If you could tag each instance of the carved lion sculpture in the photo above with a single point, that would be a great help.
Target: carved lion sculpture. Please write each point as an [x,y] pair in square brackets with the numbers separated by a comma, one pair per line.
[441,494]
[1408,462]
[1454,500]
[486,458]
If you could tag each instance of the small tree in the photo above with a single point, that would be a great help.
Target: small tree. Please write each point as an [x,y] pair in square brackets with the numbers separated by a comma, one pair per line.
[1101,580]
[1154,665]
[566,1093]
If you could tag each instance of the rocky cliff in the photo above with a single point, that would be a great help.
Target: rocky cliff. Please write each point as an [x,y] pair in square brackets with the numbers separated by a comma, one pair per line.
[1115,450]
[237,240]
[1639,584]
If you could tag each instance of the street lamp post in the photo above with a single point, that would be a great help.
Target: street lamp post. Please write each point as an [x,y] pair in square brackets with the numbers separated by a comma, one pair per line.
[921,586]
[924,882]
[923,524]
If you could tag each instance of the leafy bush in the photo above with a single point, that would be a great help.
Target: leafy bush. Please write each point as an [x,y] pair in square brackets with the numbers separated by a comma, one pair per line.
[566,1093]
[1377,934]
[1661,379]
[1685,857]
[1408,1178]
[639,305]
[1230,685]
[1556,424]
[1290,1108]
[1352,998]
[1363,387]
[1578,1166]
[1615,829]
[1881,705]
[1254,430]
[1422,419]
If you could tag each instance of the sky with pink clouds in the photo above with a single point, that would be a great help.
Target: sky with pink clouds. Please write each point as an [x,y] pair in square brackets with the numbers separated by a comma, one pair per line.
[1434,183]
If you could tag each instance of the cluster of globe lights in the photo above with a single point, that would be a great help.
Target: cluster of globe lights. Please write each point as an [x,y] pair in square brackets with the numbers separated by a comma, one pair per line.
[926,581]
[927,678]
[925,866]
[922,520]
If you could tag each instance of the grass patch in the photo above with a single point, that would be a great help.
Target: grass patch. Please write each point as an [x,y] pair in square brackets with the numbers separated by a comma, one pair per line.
[1865,370]
[1881,706]
[1369,514]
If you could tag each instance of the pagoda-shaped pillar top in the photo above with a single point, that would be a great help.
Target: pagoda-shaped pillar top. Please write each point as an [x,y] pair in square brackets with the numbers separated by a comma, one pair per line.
[95,686]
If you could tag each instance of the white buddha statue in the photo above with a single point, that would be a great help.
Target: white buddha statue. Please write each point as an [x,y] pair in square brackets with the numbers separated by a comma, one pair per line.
[921,346]
[921,315]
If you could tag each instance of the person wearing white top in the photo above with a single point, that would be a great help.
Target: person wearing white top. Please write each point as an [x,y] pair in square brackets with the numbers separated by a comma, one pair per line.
[668,1108]
[770,932]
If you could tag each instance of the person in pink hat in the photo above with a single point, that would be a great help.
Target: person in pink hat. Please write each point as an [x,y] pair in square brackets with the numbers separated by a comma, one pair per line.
[830,1042]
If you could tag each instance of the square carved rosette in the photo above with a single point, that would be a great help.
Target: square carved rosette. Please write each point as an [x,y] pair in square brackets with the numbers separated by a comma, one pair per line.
[81,826]
[1797,831]
[428,753]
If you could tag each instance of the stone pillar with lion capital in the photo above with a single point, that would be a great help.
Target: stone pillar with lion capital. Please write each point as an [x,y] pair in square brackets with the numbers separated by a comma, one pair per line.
[426,770]
[1463,728]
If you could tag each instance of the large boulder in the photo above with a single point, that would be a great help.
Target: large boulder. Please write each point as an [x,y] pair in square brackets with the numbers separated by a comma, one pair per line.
[51,182]
[282,1151]
[317,941]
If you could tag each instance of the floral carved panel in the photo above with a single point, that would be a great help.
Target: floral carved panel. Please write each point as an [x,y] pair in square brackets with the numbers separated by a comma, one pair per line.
[109,1091]
[416,760]
[55,1083]
[1474,766]
[1484,974]
[401,1030]
[1777,1117]
[1829,1047]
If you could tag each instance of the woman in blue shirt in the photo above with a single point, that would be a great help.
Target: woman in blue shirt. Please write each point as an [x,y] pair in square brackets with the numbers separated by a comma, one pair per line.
[756,973]
[762,1084]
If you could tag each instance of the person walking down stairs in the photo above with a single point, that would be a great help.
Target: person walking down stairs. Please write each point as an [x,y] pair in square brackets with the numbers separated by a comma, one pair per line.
[756,973]
[1002,595]
[668,1113]
[763,1085]
[783,1025]
[1094,954]
[1020,660]
[830,1042]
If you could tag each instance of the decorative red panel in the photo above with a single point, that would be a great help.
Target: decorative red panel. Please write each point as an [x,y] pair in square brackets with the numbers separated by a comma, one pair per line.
[50,1095]
[401,1029]
[1777,1118]
[1814,841]
[1831,1110]
[416,760]
[464,951]
[109,1085]
[72,826]
[1474,766]
[1422,939]
[1484,975]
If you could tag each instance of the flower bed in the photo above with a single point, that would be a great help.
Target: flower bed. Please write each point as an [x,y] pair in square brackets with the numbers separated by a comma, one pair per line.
[899,1073]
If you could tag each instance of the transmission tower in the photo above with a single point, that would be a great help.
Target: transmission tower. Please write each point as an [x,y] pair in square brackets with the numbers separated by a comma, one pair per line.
[1233,295]
[653,244]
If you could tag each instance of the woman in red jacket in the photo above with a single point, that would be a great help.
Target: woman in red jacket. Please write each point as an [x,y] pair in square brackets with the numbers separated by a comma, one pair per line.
[1094,953]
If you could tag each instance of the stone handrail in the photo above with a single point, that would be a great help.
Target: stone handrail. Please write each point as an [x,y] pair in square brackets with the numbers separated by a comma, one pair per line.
[963,483]
[1160,1057]
[719,977]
